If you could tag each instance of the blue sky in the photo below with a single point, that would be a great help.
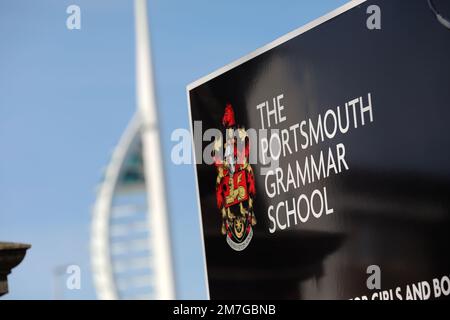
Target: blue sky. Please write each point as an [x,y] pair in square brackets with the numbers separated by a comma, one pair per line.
[66,97]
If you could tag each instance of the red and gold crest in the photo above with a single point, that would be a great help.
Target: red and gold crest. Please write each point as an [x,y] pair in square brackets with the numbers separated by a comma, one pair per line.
[235,184]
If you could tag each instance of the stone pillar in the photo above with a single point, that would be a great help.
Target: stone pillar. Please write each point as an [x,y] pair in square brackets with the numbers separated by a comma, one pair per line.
[11,254]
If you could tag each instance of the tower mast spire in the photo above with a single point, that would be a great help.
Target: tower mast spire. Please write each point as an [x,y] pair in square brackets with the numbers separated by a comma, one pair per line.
[153,161]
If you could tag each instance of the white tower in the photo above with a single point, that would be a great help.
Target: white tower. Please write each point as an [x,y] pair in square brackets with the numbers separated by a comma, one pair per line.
[153,163]
[130,245]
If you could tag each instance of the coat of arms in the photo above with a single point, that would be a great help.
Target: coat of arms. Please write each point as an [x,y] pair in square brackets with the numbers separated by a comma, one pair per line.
[235,184]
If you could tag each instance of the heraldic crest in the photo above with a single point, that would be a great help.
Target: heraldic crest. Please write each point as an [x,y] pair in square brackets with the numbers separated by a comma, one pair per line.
[235,183]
